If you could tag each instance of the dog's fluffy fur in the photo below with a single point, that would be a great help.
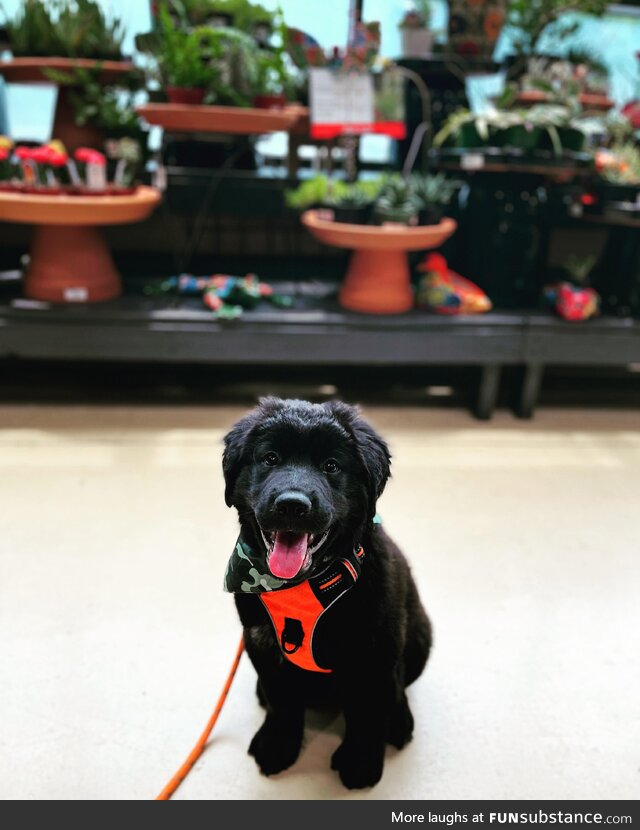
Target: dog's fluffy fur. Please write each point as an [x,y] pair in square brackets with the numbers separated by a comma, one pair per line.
[377,637]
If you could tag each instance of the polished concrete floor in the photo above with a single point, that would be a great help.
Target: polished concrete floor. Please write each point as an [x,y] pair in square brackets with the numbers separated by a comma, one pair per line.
[115,636]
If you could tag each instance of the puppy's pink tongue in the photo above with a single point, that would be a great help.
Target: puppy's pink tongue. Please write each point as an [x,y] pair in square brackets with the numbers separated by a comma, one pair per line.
[287,556]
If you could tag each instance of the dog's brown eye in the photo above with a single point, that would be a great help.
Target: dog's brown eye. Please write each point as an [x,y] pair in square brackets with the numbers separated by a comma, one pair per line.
[271,459]
[330,466]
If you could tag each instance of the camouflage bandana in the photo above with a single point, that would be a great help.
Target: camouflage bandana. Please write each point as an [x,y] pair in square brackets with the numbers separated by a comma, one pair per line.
[247,572]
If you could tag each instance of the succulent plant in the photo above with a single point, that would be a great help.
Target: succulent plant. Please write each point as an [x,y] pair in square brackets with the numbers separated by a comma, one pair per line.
[395,203]
[430,190]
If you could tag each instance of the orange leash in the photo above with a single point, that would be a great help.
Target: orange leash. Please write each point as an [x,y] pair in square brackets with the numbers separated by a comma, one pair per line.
[198,749]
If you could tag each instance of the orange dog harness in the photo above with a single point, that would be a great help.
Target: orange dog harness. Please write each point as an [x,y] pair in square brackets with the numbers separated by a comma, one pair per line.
[295,611]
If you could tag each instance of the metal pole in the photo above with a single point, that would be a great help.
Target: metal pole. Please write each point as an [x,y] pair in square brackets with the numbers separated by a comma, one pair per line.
[355,16]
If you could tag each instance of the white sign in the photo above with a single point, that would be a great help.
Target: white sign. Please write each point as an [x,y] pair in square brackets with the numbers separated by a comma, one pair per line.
[341,98]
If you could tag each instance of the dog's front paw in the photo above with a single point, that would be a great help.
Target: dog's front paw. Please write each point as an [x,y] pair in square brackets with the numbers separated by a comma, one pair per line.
[358,767]
[275,748]
[400,729]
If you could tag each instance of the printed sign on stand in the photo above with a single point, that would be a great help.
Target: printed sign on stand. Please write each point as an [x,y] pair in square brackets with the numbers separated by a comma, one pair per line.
[354,103]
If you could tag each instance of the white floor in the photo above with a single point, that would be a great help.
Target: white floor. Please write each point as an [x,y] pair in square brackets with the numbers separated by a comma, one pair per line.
[115,636]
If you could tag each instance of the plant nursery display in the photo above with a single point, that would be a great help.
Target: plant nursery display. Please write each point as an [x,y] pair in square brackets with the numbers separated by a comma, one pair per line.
[378,278]
[76,47]
[390,198]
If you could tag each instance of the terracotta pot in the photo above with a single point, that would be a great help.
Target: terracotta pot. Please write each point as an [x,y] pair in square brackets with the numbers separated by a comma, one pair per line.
[270,102]
[180,95]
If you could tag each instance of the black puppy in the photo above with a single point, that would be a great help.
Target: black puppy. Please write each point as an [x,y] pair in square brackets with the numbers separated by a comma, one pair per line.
[305,479]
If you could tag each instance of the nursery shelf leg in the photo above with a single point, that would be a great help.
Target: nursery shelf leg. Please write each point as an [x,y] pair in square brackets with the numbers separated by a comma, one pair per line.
[70,264]
[377,282]
[488,391]
[530,390]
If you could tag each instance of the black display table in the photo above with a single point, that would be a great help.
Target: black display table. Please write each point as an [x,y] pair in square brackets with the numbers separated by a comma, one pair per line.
[317,332]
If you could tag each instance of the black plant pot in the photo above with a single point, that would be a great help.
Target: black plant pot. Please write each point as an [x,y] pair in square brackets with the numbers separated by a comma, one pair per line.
[430,215]
[352,215]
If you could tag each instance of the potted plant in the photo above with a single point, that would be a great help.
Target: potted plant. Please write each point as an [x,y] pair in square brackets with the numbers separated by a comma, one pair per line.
[562,131]
[186,74]
[79,29]
[351,203]
[271,80]
[395,204]
[432,194]
[417,37]
[472,130]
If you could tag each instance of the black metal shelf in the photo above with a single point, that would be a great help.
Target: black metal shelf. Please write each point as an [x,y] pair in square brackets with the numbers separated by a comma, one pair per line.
[316,331]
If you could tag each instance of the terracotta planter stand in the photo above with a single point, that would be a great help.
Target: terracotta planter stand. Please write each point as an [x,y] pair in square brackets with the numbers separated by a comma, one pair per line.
[378,280]
[188,118]
[32,71]
[70,260]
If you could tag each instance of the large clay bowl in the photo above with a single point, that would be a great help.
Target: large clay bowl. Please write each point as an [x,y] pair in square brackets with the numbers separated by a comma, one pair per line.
[31,70]
[193,118]
[35,209]
[377,237]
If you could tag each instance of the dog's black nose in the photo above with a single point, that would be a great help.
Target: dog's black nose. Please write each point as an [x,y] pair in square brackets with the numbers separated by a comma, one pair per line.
[292,505]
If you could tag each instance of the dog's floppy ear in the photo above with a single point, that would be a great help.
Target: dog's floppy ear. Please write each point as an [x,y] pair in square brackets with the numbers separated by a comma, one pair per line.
[236,443]
[372,449]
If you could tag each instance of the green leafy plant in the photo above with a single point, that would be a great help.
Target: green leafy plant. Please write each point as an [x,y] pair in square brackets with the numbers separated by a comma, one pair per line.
[65,28]
[111,110]
[271,74]
[308,194]
[231,55]
[245,15]
[182,60]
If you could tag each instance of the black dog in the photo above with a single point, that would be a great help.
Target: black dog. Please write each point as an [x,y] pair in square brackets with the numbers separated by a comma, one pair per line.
[305,479]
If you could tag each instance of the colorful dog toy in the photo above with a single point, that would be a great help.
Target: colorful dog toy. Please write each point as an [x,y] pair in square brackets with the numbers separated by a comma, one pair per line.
[223,294]
[572,302]
[445,292]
